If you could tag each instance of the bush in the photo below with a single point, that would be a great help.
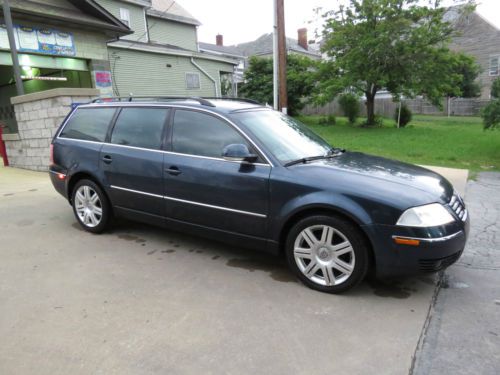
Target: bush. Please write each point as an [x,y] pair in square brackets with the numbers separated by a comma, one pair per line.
[491,115]
[495,89]
[405,118]
[327,120]
[350,106]
[378,120]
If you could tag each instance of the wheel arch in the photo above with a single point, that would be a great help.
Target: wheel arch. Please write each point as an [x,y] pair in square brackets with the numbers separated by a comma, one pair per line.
[327,211]
[73,180]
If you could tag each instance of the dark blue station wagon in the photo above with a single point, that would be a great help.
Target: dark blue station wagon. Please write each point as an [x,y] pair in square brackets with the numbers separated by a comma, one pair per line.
[242,173]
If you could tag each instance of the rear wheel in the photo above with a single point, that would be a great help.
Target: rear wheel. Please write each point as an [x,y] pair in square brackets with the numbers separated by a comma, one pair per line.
[91,206]
[327,253]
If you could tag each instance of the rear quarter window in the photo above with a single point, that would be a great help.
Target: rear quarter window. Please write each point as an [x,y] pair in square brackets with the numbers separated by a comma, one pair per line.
[88,124]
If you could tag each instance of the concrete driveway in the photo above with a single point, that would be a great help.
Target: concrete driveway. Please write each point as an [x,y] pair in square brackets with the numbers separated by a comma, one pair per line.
[142,300]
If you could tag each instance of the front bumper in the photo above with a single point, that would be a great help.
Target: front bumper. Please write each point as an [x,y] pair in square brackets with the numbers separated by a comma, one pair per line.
[438,248]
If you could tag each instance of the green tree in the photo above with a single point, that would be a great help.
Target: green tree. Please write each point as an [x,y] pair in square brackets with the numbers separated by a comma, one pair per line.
[300,81]
[397,45]
[464,70]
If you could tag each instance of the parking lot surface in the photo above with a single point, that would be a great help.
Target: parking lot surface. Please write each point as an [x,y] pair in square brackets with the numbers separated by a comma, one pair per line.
[463,334]
[145,300]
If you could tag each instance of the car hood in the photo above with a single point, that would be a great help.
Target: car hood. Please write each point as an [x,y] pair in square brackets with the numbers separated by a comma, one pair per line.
[400,178]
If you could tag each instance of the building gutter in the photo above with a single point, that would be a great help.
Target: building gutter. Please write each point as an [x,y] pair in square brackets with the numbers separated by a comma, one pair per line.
[217,93]
[145,47]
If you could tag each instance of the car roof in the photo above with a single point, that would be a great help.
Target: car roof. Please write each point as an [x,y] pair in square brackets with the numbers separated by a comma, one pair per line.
[223,105]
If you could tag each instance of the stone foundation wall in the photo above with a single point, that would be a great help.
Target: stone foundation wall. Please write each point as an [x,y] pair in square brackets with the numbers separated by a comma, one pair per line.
[38,118]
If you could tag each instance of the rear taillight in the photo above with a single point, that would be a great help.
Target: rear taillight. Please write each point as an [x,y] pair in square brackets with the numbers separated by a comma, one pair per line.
[51,153]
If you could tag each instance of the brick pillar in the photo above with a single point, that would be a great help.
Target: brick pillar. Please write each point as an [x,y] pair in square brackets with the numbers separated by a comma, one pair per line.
[38,118]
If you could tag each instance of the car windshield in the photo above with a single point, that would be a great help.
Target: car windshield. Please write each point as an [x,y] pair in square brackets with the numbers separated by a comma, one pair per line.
[287,138]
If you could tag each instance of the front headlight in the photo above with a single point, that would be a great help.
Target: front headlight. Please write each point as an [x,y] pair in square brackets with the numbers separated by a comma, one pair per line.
[430,215]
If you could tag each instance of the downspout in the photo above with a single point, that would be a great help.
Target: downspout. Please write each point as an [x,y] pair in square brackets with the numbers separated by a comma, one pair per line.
[217,93]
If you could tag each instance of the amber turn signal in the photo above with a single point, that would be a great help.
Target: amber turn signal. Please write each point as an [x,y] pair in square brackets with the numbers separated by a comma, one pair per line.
[406,241]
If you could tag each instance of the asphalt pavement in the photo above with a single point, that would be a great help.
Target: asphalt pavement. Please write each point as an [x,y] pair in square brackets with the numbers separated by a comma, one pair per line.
[145,300]
[463,331]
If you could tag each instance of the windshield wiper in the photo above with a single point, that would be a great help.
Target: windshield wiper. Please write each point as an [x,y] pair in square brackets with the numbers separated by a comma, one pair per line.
[333,152]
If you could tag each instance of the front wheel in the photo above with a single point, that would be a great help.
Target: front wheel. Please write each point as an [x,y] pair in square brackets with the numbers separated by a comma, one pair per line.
[327,253]
[91,206]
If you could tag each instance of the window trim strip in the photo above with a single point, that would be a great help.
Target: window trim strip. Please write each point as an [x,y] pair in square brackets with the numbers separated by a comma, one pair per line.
[174,106]
[160,151]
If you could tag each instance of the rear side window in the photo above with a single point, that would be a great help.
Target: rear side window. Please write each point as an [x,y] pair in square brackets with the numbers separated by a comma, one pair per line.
[140,127]
[88,124]
[199,134]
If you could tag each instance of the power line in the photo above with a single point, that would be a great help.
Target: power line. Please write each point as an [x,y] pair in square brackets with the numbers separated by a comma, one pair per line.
[115,57]
[148,28]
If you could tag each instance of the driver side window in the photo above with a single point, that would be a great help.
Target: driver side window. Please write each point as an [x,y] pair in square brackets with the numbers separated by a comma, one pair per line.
[196,133]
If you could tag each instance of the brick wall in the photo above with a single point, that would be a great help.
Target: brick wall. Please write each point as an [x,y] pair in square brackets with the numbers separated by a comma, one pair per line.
[38,117]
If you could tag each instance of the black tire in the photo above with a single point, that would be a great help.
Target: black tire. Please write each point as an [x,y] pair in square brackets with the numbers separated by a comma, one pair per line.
[326,256]
[102,202]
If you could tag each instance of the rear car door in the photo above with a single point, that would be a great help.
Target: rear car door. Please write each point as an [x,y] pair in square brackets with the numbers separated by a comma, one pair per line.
[132,160]
[204,189]
[78,145]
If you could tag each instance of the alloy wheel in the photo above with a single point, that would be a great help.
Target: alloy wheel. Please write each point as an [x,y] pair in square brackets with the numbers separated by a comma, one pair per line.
[88,206]
[324,255]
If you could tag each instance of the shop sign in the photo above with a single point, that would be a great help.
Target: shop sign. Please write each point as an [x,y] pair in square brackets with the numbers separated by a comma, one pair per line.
[40,40]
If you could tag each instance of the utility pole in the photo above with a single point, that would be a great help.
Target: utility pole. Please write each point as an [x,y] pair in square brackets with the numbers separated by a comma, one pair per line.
[13,48]
[275,56]
[280,56]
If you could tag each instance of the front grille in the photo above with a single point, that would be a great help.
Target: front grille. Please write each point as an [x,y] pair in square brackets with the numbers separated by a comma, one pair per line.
[434,265]
[457,205]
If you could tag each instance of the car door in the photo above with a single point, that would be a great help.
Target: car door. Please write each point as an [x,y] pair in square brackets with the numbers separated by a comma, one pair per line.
[204,189]
[132,160]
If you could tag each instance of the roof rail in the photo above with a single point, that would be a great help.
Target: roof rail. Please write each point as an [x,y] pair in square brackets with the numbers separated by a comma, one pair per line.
[202,101]
[252,101]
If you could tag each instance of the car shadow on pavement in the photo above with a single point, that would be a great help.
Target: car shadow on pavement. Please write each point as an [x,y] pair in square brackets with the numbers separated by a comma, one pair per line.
[160,241]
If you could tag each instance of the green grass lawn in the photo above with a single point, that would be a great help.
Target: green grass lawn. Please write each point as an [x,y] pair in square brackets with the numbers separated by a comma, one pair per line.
[456,142]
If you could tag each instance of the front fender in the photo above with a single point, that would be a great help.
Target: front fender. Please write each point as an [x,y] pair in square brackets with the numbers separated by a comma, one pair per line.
[318,200]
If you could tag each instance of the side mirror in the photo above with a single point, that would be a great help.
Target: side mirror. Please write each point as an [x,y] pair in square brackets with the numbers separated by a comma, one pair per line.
[238,152]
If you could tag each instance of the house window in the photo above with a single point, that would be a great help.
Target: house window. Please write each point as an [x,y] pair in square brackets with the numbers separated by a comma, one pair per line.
[494,65]
[125,16]
[193,81]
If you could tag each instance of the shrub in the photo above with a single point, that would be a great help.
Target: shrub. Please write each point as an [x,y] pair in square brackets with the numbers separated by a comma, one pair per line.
[327,120]
[378,120]
[406,116]
[491,115]
[350,106]
[495,89]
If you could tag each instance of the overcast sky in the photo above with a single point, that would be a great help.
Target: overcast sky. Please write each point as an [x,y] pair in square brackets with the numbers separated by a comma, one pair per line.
[245,20]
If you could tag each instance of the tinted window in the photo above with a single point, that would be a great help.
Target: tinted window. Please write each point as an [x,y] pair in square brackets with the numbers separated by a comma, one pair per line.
[200,134]
[140,127]
[89,124]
